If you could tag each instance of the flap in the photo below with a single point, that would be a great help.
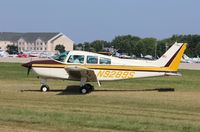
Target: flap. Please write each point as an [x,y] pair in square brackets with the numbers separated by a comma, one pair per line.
[77,72]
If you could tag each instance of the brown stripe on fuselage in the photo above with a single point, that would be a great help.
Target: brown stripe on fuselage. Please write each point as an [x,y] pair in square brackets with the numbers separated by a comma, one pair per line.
[44,62]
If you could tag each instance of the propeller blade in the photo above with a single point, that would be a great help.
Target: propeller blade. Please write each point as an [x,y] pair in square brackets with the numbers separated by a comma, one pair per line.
[29,66]
[29,69]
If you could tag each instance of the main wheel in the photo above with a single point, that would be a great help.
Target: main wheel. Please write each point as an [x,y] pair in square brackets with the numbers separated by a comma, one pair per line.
[44,88]
[84,90]
[87,88]
[90,87]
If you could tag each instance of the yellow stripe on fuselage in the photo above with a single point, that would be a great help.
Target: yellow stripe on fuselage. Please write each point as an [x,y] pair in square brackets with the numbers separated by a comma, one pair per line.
[49,65]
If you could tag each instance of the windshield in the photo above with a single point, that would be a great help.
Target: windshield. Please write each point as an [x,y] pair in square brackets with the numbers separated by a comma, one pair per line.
[61,57]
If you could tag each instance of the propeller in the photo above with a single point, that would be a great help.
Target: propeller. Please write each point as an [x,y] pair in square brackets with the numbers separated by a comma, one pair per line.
[29,69]
[29,66]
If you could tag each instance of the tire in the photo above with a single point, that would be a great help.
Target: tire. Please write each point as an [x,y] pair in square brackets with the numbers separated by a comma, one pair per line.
[87,88]
[84,90]
[90,87]
[44,88]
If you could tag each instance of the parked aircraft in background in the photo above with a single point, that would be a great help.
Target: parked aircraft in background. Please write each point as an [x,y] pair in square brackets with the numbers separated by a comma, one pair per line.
[34,54]
[187,59]
[196,60]
[21,54]
[147,57]
[92,67]
[125,56]
[41,54]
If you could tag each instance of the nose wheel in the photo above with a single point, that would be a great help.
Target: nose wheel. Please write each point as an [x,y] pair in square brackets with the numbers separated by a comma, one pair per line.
[44,88]
[87,88]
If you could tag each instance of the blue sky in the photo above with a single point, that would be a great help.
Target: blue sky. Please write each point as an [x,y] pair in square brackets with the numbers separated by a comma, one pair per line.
[88,20]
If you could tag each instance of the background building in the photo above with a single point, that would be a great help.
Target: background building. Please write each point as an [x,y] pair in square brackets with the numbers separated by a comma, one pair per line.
[35,41]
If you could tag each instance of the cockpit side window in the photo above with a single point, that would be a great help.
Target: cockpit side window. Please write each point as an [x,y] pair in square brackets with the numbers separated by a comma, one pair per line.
[78,59]
[105,60]
[92,59]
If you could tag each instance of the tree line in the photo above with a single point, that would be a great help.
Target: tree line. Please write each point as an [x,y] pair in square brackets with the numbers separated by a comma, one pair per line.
[133,45]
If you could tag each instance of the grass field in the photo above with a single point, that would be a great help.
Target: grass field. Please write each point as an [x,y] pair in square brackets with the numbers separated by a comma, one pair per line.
[117,106]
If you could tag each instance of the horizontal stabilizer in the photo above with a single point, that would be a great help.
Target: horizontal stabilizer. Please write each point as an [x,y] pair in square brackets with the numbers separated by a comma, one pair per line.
[173,74]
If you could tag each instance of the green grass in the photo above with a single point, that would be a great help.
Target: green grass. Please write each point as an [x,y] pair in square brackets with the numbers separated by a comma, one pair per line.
[116,106]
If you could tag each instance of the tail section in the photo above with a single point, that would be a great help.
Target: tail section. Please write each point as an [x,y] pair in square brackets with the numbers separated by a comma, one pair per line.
[172,57]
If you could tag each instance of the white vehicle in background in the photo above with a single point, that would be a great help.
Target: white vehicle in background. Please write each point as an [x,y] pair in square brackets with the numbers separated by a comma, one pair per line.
[46,54]
[13,55]
[187,59]
[3,53]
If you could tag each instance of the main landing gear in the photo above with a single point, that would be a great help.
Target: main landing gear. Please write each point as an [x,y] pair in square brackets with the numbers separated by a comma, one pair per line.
[87,88]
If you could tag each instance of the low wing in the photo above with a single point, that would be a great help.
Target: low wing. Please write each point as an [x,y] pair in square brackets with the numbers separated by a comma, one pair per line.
[76,73]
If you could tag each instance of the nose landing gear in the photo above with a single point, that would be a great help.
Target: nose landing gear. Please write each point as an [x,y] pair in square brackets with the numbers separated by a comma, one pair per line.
[44,88]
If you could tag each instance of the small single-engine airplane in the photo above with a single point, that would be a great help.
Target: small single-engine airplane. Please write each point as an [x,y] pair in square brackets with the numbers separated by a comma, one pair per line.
[92,67]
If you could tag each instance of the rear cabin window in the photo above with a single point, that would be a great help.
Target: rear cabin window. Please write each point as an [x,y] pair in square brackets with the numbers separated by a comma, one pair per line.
[105,61]
[78,59]
[92,59]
